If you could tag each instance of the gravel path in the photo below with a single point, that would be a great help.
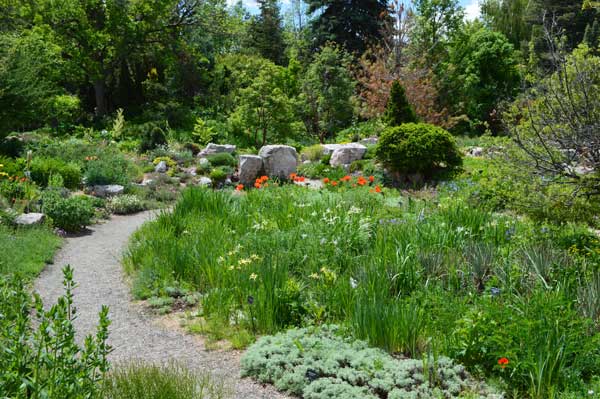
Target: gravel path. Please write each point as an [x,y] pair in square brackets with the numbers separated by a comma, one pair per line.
[95,258]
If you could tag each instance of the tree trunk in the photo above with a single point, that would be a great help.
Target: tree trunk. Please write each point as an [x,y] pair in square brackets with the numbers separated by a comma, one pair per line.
[100,94]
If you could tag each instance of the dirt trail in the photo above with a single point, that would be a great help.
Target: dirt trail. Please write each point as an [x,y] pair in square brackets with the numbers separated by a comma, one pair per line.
[95,258]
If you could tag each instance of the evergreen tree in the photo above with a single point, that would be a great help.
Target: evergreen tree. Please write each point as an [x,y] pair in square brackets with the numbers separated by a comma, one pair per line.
[592,34]
[398,109]
[353,24]
[266,32]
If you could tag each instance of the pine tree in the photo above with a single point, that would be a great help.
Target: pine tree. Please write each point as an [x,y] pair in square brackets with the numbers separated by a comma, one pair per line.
[266,32]
[353,24]
[398,109]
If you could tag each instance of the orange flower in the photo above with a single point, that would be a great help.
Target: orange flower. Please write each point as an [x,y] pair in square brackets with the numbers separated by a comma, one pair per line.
[334,183]
[361,181]
[264,179]
[300,179]
[293,176]
[239,187]
[346,178]
[377,189]
[371,179]
[326,180]
[257,184]
[503,362]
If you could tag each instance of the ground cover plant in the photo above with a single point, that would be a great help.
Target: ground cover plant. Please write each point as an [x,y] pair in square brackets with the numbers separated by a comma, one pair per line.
[409,276]
[25,251]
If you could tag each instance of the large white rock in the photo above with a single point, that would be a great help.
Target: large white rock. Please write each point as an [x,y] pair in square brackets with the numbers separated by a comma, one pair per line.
[161,167]
[109,190]
[212,148]
[279,160]
[250,168]
[29,219]
[347,153]
[328,149]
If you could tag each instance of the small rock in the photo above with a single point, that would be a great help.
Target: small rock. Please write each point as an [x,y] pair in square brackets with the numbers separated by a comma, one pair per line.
[347,154]
[109,190]
[476,151]
[161,167]
[204,181]
[307,162]
[212,148]
[279,160]
[250,168]
[30,219]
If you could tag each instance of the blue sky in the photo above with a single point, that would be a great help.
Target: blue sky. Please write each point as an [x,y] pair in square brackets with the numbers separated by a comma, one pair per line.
[471,6]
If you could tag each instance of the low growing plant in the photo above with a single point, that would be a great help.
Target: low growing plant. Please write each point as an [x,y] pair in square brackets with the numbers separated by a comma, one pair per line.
[71,214]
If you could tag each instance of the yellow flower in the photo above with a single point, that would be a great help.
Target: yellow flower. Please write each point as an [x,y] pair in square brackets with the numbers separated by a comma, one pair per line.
[314,276]
[253,277]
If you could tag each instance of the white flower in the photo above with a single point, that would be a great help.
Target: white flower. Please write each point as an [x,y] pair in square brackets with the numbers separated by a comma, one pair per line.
[323,241]
[353,283]
[313,214]
[353,210]
[220,259]
[253,276]
[303,236]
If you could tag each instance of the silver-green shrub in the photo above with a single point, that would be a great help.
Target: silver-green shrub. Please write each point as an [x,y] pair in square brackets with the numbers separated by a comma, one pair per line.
[320,362]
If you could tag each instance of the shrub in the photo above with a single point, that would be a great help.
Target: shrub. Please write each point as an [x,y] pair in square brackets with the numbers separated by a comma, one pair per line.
[151,135]
[40,356]
[418,148]
[111,168]
[313,153]
[148,381]
[42,168]
[71,214]
[321,363]
[126,204]
[203,134]
[222,159]
[218,175]
[398,110]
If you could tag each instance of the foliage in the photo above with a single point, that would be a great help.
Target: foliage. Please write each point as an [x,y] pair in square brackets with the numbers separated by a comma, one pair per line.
[265,33]
[326,93]
[554,124]
[203,134]
[321,363]
[218,175]
[65,109]
[126,204]
[312,153]
[43,168]
[26,251]
[398,109]
[222,159]
[351,24]
[152,136]
[109,168]
[118,126]
[71,214]
[40,355]
[418,148]
[146,381]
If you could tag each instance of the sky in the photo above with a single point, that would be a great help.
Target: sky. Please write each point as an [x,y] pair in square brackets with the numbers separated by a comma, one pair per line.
[471,6]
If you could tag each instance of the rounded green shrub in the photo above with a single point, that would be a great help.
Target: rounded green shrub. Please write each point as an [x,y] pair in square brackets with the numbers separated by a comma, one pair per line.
[218,175]
[222,159]
[42,168]
[418,148]
[71,214]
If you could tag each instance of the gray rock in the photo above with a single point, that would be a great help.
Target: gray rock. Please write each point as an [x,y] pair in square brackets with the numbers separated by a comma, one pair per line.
[476,151]
[279,160]
[204,181]
[107,191]
[250,168]
[212,148]
[347,154]
[328,149]
[161,167]
[369,141]
[30,219]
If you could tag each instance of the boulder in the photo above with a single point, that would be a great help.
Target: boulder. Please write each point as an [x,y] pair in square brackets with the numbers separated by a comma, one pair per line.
[279,160]
[250,168]
[347,154]
[476,151]
[328,149]
[369,141]
[212,148]
[106,191]
[30,219]
[161,167]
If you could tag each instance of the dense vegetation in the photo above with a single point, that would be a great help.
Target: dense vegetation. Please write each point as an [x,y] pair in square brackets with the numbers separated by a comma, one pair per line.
[437,234]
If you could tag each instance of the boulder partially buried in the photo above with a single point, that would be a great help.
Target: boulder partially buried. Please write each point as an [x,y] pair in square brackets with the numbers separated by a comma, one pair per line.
[212,148]
[279,160]
[30,219]
[347,153]
[250,168]
[109,190]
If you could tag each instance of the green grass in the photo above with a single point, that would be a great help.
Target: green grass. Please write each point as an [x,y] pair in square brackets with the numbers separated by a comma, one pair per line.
[26,250]
[410,276]
[173,381]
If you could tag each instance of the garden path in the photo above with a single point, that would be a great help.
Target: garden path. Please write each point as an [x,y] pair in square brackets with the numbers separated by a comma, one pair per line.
[134,333]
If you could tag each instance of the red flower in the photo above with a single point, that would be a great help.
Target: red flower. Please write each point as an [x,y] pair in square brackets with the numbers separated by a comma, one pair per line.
[257,184]
[371,179]
[293,176]
[334,183]
[377,189]
[326,180]
[239,187]
[503,362]
[361,181]
[346,178]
